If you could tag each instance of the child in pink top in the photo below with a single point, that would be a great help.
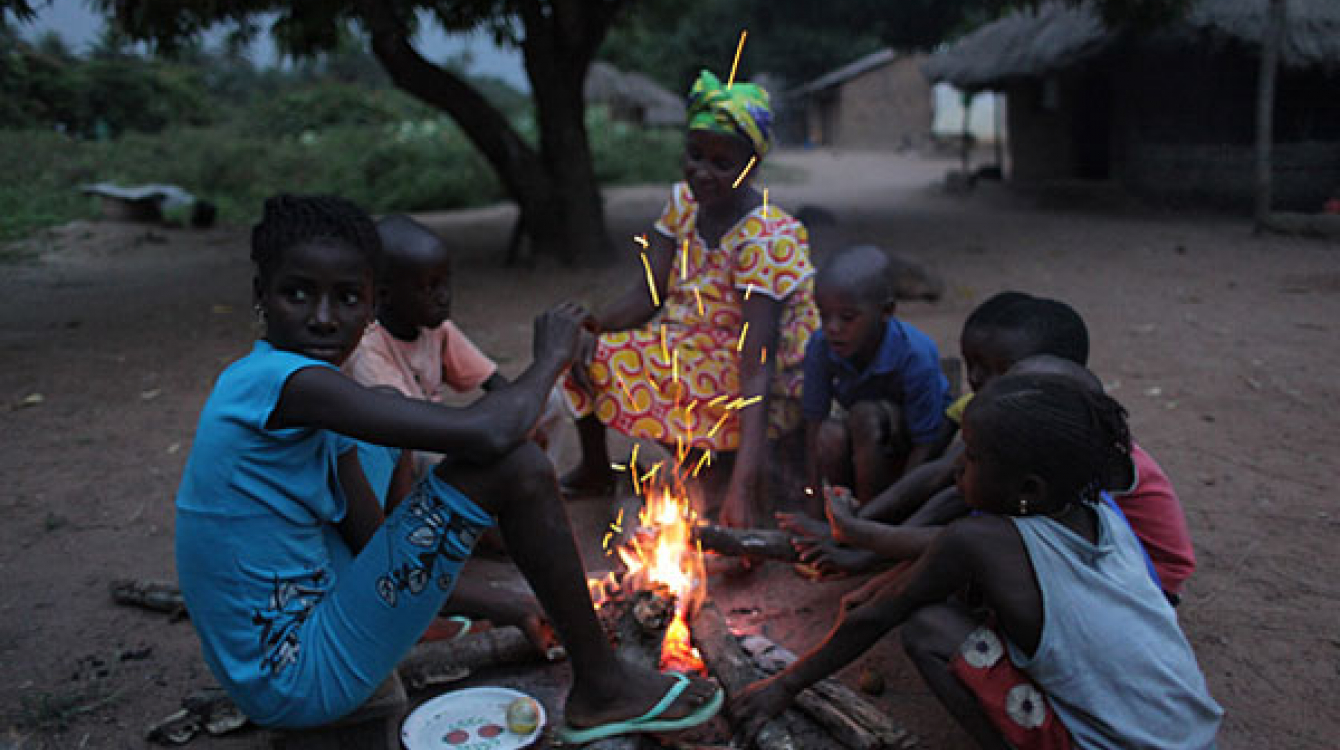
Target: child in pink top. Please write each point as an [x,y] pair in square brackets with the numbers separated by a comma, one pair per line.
[1155,514]
[413,349]
[421,367]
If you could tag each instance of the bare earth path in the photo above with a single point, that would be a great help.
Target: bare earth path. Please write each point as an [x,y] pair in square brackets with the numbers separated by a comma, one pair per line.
[1223,346]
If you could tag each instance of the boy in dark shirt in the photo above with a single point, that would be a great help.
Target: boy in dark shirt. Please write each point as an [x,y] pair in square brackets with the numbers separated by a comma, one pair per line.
[883,374]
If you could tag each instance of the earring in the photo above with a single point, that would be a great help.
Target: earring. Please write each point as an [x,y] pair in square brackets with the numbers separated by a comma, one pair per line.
[260,315]
[1023,506]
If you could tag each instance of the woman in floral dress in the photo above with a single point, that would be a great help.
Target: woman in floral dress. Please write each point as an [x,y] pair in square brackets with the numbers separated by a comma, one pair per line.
[705,353]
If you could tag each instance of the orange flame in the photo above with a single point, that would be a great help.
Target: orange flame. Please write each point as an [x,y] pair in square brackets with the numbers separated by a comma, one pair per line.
[661,552]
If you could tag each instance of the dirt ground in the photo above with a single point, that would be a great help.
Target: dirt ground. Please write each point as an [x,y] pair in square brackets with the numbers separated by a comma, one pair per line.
[1222,346]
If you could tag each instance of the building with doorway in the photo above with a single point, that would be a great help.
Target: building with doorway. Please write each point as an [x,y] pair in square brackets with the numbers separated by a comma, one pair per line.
[1170,114]
[880,101]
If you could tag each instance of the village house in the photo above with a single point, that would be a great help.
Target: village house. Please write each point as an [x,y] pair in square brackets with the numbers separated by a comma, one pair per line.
[881,101]
[632,97]
[1168,114]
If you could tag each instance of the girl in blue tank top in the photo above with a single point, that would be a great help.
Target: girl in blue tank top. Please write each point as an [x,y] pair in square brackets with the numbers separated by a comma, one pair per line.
[299,641]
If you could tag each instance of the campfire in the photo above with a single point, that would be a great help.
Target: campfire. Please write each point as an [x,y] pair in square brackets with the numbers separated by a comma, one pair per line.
[664,579]
[659,613]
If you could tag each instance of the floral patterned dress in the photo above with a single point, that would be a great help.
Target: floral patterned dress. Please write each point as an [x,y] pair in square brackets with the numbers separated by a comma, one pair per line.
[677,379]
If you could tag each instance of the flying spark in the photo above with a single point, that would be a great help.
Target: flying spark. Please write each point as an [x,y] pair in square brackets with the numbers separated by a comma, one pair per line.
[651,282]
[706,458]
[712,432]
[747,167]
[736,64]
[739,345]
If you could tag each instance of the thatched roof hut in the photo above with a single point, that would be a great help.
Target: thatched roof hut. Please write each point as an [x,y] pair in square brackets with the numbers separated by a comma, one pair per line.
[1168,113]
[1056,36]
[633,96]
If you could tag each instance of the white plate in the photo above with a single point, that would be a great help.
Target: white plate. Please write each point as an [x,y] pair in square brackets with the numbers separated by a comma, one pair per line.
[469,719]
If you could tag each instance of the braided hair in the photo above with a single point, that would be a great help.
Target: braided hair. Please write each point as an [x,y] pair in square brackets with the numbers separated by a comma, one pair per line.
[1052,426]
[292,220]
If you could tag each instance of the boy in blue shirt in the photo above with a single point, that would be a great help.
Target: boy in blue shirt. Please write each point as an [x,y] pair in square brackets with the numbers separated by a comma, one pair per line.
[883,373]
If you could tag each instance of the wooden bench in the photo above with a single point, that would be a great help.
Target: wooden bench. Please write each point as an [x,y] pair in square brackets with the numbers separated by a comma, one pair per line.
[375,725]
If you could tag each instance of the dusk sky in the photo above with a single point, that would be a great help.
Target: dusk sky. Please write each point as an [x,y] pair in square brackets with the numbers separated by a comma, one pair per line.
[79,25]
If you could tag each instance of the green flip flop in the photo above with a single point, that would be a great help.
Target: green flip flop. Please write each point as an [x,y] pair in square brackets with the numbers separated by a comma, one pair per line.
[650,721]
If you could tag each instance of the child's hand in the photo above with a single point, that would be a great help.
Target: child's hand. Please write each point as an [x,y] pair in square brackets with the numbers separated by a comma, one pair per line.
[840,507]
[586,351]
[558,332]
[757,704]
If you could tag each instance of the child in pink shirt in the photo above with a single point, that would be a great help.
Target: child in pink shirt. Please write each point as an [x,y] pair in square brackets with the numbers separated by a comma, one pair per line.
[413,349]
[1155,514]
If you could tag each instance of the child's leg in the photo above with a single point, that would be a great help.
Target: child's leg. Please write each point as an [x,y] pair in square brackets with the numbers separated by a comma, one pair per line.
[328,653]
[932,638]
[835,464]
[476,598]
[879,446]
[593,474]
[522,492]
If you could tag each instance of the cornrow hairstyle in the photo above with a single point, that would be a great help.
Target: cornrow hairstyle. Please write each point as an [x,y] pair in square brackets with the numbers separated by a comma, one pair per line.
[986,314]
[1053,326]
[1051,426]
[291,220]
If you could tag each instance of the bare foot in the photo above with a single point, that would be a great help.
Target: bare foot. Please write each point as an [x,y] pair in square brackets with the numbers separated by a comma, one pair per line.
[476,598]
[828,556]
[629,692]
[803,524]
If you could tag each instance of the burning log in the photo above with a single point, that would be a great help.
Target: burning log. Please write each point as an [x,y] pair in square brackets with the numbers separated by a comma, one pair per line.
[439,662]
[729,663]
[851,719]
[766,543]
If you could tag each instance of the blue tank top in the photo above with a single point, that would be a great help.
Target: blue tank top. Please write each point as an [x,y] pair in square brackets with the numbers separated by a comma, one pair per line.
[1112,658]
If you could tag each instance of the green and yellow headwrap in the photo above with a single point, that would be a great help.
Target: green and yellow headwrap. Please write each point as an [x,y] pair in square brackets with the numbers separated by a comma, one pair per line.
[743,109]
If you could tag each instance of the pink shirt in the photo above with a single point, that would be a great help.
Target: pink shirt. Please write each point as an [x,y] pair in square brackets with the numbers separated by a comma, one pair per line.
[1156,517]
[420,368]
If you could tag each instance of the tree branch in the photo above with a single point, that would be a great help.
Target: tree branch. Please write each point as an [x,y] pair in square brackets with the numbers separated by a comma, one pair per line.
[481,121]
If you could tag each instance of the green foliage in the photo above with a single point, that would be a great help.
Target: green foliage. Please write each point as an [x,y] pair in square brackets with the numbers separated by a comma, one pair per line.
[323,104]
[801,40]
[96,97]
[408,165]
[626,153]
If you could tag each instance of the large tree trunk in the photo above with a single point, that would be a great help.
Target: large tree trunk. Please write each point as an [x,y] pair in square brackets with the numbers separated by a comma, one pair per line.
[557,51]
[1271,40]
[555,189]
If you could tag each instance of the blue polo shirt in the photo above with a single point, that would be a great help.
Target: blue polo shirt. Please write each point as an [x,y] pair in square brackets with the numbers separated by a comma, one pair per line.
[905,370]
